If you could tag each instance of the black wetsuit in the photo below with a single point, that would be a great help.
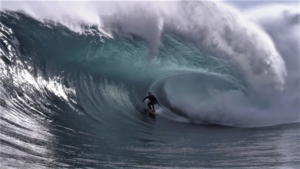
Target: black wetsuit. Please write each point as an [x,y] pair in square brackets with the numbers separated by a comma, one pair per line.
[152,102]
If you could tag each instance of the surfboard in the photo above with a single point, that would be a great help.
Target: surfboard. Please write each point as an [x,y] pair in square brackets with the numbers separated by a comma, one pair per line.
[152,112]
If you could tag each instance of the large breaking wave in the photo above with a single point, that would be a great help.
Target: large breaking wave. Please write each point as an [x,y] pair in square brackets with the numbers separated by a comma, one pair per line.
[204,61]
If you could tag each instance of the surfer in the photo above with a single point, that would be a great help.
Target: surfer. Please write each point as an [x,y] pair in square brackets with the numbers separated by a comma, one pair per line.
[152,102]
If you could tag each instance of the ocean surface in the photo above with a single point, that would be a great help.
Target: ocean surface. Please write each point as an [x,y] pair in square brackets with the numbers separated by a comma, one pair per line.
[72,82]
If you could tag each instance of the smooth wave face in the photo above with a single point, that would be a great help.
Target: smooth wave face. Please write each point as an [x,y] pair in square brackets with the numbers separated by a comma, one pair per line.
[71,89]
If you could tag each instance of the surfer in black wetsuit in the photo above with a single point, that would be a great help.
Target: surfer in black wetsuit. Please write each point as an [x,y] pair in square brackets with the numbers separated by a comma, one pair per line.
[152,102]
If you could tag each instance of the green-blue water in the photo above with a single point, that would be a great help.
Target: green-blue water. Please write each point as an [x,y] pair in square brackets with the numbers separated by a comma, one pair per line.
[71,100]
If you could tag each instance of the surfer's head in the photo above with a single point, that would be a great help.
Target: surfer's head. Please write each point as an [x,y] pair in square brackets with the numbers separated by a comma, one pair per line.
[149,93]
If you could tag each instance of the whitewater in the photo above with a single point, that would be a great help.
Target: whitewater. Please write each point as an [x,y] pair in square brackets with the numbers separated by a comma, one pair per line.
[73,76]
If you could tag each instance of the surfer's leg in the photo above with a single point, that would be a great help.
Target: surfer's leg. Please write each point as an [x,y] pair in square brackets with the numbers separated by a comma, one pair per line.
[149,105]
[153,107]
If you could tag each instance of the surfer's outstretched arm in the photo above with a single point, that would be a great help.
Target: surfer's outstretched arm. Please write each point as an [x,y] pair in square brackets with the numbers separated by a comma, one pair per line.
[145,98]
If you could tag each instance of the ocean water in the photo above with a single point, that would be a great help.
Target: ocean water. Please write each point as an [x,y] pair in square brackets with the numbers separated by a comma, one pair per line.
[72,85]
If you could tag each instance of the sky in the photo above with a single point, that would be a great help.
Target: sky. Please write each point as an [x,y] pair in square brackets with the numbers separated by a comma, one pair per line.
[244,4]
